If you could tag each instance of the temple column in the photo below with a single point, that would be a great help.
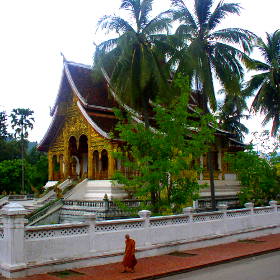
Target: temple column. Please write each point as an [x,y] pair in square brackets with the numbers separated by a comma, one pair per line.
[50,162]
[220,163]
[66,163]
[90,164]
[61,171]
[111,165]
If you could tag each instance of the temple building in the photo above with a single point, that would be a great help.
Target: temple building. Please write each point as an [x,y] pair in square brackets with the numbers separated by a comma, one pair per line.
[79,143]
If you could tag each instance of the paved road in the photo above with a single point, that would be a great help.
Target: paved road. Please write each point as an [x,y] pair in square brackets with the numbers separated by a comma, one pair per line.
[264,267]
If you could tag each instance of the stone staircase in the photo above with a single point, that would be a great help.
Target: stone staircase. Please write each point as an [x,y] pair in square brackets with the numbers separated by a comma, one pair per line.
[222,188]
[93,190]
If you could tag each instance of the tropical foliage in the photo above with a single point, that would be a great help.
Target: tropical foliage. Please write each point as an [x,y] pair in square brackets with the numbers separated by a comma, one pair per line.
[207,51]
[134,60]
[3,125]
[231,112]
[259,176]
[266,84]
[166,157]
[34,164]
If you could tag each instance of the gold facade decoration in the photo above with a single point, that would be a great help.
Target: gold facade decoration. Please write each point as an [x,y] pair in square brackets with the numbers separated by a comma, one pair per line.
[58,144]
[76,125]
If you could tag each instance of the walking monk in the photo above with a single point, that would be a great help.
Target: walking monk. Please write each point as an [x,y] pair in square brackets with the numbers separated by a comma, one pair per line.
[129,260]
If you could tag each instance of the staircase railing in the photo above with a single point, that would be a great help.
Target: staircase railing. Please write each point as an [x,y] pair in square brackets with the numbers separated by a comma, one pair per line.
[40,212]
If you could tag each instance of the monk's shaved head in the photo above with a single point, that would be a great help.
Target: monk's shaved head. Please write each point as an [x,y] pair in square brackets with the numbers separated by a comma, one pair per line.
[127,236]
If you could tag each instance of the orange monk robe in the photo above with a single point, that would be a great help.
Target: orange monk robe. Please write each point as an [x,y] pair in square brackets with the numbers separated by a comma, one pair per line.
[129,259]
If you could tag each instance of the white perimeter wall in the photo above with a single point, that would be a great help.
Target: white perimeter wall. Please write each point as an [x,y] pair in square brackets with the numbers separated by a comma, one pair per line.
[37,249]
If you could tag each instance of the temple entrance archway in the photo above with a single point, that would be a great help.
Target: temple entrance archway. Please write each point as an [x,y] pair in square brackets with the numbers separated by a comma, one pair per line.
[73,155]
[78,154]
[104,164]
[83,155]
[100,165]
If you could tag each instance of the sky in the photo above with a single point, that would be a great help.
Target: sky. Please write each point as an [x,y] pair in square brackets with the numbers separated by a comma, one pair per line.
[35,32]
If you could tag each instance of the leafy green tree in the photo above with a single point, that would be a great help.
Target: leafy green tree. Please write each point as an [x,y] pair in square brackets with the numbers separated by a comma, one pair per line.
[3,126]
[266,84]
[22,121]
[39,168]
[10,176]
[259,176]
[165,156]
[205,52]
[135,59]
[10,149]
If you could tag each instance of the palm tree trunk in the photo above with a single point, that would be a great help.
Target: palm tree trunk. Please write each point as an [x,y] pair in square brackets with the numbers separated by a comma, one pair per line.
[212,182]
[210,160]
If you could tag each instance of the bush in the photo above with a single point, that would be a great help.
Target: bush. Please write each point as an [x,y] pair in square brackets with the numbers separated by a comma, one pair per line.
[259,176]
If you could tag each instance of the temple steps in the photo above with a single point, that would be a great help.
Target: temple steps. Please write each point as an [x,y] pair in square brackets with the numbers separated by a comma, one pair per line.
[222,188]
[96,190]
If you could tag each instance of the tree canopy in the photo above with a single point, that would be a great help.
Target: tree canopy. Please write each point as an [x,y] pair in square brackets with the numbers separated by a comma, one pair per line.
[165,157]
[135,60]
[16,157]
[266,84]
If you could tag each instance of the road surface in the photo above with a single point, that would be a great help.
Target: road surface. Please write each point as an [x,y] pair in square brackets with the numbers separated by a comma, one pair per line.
[264,267]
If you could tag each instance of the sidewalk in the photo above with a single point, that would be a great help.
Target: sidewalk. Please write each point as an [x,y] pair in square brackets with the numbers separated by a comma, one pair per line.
[152,267]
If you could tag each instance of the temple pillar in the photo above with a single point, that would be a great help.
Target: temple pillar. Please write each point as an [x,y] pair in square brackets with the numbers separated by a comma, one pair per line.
[50,166]
[220,163]
[219,159]
[99,166]
[66,163]
[61,169]
[90,164]
[111,165]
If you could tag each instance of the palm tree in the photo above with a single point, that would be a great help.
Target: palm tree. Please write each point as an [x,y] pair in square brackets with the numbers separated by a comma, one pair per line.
[206,52]
[135,60]
[267,83]
[3,126]
[231,113]
[22,121]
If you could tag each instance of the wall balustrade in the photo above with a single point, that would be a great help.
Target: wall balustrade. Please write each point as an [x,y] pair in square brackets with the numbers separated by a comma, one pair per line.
[26,250]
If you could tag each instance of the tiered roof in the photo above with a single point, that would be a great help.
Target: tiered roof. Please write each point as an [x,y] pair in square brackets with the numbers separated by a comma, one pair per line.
[95,102]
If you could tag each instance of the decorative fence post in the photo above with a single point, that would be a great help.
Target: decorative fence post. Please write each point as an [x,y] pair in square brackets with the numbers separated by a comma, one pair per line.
[91,220]
[223,208]
[13,226]
[273,204]
[146,214]
[250,205]
[188,211]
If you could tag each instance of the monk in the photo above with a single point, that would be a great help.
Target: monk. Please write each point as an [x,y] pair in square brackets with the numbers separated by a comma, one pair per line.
[129,260]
